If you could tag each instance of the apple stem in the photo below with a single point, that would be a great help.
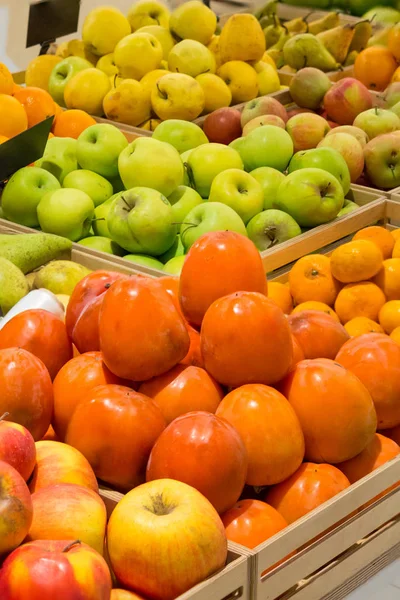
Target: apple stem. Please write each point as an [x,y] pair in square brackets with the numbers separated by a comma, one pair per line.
[162,94]
[98,219]
[71,545]
[3,416]
[122,198]
[190,175]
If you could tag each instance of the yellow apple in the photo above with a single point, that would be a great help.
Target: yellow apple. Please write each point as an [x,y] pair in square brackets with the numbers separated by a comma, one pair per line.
[268,78]
[103,28]
[241,79]
[137,54]
[115,80]
[192,58]
[148,12]
[86,91]
[163,35]
[78,48]
[217,94]
[150,79]
[194,21]
[213,47]
[107,65]
[128,103]
[38,72]
[177,96]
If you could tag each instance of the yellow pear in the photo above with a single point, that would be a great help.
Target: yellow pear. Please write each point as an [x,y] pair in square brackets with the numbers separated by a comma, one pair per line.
[217,94]
[177,96]
[107,65]
[192,58]
[148,12]
[78,48]
[115,80]
[194,21]
[62,50]
[150,124]
[213,47]
[137,54]
[163,35]
[150,79]
[241,79]
[268,78]
[128,103]
[103,28]
[86,91]
[269,60]
[38,72]
[242,39]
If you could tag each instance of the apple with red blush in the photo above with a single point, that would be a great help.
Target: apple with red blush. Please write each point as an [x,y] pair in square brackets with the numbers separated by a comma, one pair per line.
[223,125]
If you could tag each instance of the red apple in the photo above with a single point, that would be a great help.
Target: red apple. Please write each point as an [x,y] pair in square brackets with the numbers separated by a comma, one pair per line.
[346,99]
[17,447]
[265,105]
[47,570]
[15,509]
[223,125]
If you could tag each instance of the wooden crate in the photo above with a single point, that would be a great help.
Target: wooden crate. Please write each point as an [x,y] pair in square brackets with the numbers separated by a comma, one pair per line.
[231,583]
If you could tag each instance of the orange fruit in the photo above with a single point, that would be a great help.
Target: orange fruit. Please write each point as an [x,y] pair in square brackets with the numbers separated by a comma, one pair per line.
[363,299]
[355,261]
[16,88]
[280,294]
[13,118]
[38,103]
[3,138]
[311,279]
[71,123]
[394,41]
[380,236]
[374,67]
[379,451]
[396,249]
[396,75]
[389,315]
[315,305]
[6,80]
[395,335]
[360,325]
[388,278]
[396,234]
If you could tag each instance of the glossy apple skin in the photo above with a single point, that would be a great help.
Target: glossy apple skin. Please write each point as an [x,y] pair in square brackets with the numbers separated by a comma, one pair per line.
[306,130]
[15,509]
[223,125]
[59,463]
[162,562]
[17,448]
[68,511]
[346,99]
[50,570]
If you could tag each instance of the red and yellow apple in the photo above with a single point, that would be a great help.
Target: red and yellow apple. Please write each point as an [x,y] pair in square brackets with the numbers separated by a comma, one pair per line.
[17,447]
[119,594]
[307,130]
[346,99]
[351,150]
[15,509]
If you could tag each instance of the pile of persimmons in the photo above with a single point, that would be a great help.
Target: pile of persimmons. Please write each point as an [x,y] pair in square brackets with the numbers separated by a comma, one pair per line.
[206,380]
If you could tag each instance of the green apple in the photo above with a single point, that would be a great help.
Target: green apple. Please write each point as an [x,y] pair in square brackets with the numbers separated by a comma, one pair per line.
[396,109]
[23,193]
[147,162]
[66,212]
[103,244]
[183,135]
[382,161]
[59,157]
[377,121]
[176,249]
[266,146]
[184,159]
[116,183]
[311,196]
[182,200]
[145,260]
[206,161]
[348,207]
[271,227]
[240,191]
[174,266]
[96,186]
[270,180]
[63,73]
[325,158]
[141,221]
[100,217]
[209,216]
[98,149]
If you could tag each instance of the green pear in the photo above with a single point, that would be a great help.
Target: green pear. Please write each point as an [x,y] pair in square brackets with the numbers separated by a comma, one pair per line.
[60,276]
[32,250]
[13,285]
[305,50]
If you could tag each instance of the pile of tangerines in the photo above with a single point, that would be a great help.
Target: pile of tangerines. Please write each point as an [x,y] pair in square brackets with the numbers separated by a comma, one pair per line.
[23,107]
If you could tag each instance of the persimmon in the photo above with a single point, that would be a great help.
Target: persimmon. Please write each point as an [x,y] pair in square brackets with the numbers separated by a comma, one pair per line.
[123,423]
[375,359]
[41,333]
[78,376]
[142,334]
[193,357]
[379,451]
[298,353]
[204,451]
[335,410]
[251,522]
[269,429]
[393,434]
[309,487]
[388,278]
[182,390]
[26,390]
[319,334]
[311,278]
[245,338]
[219,263]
